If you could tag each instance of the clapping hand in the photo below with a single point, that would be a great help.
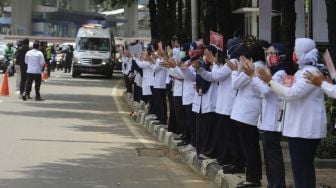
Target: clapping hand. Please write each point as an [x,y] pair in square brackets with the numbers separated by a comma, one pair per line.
[248,67]
[315,79]
[265,75]
[231,65]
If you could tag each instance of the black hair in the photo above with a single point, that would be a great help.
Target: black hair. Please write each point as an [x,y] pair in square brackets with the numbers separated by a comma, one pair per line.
[25,41]
[36,44]
[257,50]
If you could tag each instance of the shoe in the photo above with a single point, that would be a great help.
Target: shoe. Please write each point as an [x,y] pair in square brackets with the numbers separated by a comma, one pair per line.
[202,157]
[178,138]
[226,166]
[248,184]
[24,97]
[39,99]
[28,97]
[183,143]
[233,169]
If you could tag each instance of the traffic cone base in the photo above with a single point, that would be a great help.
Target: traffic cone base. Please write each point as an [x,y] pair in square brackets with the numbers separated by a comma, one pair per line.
[4,87]
[45,73]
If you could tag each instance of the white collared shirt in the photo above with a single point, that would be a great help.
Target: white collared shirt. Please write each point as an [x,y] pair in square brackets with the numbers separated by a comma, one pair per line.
[329,89]
[247,104]
[160,75]
[305,115]
[225,94]
[35,61]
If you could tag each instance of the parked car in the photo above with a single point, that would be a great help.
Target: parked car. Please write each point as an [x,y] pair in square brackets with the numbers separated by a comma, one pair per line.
[3,66]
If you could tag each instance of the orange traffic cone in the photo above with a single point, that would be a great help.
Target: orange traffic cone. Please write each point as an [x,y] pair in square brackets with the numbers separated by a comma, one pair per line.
[45,73]
[4,87]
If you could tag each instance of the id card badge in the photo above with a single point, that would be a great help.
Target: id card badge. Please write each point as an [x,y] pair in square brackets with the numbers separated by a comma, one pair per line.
[200,92]
[281,116]
[288,81]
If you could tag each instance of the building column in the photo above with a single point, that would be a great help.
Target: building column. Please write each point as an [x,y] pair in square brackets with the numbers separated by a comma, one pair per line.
[265,20]
[131,15]
[22,12]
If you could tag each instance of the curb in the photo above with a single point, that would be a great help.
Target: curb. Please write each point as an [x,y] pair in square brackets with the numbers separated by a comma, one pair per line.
[208,168]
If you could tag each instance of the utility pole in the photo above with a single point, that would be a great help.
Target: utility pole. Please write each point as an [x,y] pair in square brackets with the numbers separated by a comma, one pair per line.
[194,19]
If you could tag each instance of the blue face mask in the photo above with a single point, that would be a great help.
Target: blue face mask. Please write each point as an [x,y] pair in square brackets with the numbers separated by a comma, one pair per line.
[182,54]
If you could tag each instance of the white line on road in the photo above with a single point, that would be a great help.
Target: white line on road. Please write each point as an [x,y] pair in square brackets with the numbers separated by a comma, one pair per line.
[118,92]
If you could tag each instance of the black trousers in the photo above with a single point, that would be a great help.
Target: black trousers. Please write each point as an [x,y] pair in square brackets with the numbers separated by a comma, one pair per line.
[234,149]
[128,84]
[137,93]
[180,116]
[161,105]
[275,168]
[23,79]
[302,152]
[191,124]
[148,99]
[222,145]
[205,128]
[171,118]
[249,138]
[37,79]
[155,100]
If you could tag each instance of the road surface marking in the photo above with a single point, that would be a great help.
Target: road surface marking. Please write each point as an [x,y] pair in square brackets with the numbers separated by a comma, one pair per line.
[117,93]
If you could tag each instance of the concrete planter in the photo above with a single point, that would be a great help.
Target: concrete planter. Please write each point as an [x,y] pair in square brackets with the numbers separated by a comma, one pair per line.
[325,163]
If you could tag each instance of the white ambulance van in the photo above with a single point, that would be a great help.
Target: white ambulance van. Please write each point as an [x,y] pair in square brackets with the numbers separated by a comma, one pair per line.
[94,51]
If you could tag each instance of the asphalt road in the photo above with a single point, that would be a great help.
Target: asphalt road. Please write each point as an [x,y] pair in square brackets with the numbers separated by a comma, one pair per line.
[80,137]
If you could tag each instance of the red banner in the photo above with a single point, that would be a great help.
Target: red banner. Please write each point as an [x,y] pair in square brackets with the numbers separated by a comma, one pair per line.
[217,40]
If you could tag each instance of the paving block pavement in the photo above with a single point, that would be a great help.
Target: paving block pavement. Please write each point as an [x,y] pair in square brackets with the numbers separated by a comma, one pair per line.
[210,168]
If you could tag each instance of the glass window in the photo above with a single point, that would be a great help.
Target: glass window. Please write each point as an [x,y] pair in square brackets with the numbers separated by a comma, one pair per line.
[95,44]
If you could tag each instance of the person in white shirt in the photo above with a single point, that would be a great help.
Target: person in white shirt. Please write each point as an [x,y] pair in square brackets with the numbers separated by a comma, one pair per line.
[187,91]
[35,62]
[246,110]
[126,68]
[160,75]
[229,152]
[305,120]
[319,80]
[204,104]
[148,78]
[270,123]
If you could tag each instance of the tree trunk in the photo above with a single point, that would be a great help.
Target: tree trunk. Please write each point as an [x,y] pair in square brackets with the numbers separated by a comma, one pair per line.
[225,22]
[210,21]
[153,19]
[287,31]
[179,16]
[171,19]
[187,20]
[331,20]
[162,20]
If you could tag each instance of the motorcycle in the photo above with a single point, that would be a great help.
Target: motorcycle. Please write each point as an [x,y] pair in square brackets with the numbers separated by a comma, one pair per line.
[9,66]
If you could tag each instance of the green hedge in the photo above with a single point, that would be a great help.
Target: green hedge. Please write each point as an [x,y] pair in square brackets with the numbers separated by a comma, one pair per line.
[327,147]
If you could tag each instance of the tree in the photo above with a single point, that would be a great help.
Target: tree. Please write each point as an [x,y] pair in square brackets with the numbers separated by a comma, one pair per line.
[210,20]
[287,31]
[153,18]
[331,20]
[179,16]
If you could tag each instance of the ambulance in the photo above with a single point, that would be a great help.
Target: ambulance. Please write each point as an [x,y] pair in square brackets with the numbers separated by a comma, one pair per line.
[94,51]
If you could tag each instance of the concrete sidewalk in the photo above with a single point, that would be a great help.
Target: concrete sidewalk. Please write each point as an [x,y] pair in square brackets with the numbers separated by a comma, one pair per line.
[210,168]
